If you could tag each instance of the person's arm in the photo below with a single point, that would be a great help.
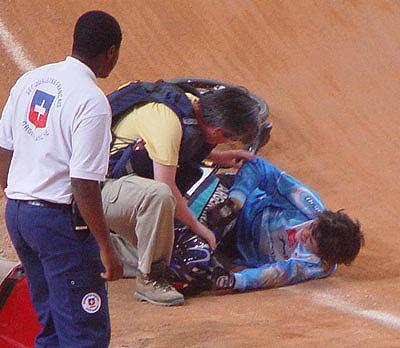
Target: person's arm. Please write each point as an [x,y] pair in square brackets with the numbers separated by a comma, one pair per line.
[261,174]
[166,174]
[6,140]
[300,195]
[88,199]
[256,173]
[5,160]
[278,274]
[230,158]
[161,130]
[88,165]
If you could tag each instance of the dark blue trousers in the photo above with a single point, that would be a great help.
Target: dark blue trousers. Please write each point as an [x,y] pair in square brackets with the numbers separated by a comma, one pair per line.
[63,268]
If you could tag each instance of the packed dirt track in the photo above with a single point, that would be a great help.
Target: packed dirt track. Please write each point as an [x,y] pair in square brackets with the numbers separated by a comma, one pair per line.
[329,71]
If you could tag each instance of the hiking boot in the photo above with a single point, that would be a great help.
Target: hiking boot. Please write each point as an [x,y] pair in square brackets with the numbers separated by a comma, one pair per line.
[155,289]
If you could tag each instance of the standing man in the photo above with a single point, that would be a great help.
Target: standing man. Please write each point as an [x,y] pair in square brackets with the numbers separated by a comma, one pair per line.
[54,145]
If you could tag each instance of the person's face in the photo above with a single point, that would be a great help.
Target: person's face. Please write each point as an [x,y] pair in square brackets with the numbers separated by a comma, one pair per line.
[305,237]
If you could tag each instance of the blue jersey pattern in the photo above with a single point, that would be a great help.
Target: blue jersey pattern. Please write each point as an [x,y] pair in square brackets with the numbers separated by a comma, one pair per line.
[276,206]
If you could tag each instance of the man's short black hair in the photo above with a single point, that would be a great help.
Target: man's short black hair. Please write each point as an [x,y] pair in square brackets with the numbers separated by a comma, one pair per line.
[234,110]
[338,237]
[95,32]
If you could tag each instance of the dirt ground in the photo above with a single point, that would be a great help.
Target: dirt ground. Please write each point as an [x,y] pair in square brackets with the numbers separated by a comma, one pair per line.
[329,71]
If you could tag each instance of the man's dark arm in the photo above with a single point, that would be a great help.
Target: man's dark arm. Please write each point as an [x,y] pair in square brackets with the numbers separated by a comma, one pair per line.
[5,160]
[88,199]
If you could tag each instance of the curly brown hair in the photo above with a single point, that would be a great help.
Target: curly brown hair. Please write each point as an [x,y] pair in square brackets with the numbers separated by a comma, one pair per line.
[339,238]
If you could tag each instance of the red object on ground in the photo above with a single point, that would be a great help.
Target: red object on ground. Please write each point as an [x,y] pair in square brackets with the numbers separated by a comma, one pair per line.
[18,320]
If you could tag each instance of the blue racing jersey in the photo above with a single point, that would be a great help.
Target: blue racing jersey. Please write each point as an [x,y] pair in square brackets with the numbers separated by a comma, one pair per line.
[275,207]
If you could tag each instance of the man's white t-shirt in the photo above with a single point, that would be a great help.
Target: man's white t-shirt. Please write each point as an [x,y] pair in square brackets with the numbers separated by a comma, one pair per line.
[57,123]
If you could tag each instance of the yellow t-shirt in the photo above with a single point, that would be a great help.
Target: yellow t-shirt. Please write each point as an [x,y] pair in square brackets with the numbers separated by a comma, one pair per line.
[158,126]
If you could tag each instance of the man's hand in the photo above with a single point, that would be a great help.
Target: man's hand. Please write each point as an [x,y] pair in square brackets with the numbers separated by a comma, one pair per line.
[111,263]
[206,234]
[230,158]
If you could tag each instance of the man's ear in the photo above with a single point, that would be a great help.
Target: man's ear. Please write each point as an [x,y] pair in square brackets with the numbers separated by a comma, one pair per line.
[112,53]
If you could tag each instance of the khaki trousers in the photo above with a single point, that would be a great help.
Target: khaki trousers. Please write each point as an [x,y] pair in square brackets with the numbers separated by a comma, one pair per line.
[142,211]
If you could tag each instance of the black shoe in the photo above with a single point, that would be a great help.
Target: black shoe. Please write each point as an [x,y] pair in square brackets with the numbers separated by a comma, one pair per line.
[222,279]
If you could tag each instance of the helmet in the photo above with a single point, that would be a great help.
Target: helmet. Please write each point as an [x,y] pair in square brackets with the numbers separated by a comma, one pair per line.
[191,261]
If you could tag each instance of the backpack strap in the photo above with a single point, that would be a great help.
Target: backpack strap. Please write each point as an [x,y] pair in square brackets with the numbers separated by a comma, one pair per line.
[173,96]
[136,93]
[139,93]
[118,163]
[127,97]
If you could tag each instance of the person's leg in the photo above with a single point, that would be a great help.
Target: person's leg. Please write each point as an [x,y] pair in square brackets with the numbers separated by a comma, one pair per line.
[255,174]
[142,210]
[82,319]
[71,263]
[37,282]
[155,241]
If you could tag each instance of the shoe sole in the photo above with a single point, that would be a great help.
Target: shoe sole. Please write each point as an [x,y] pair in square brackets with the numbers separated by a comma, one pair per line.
[140,297]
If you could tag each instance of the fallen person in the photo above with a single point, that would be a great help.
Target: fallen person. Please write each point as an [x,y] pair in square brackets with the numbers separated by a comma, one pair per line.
[283,234]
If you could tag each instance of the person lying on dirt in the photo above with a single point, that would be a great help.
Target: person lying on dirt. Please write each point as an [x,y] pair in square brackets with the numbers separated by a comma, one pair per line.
[143,195]
[283,233]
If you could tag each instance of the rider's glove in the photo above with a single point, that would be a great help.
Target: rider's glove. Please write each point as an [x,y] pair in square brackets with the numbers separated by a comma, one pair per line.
[220,215]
